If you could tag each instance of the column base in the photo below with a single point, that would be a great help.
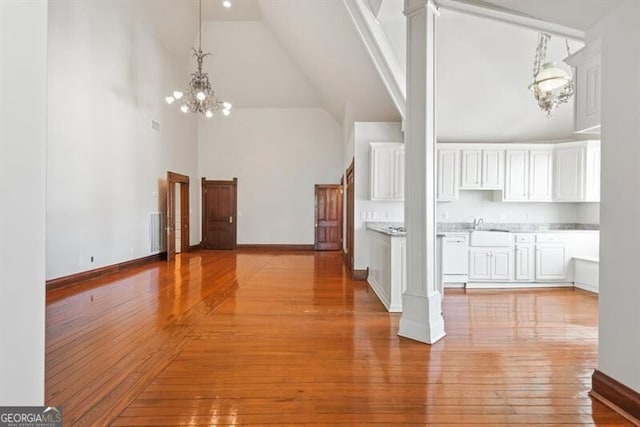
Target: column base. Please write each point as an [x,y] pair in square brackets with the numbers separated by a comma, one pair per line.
[422,318]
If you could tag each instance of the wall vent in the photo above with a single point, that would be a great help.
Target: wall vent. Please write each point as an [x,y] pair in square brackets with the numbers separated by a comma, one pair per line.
[155,232]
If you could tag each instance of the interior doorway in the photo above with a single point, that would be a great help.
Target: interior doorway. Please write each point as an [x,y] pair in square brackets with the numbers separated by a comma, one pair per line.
[177,214]
[219,214]
[328,223]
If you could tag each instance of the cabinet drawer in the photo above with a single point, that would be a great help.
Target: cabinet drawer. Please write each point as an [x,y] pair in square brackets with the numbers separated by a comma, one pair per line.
[549,238]
[524,238]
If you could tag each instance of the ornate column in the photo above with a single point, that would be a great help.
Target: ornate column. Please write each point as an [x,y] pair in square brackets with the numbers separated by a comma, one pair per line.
[422,302]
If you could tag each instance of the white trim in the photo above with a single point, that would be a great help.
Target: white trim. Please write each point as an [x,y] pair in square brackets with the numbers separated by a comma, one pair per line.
[380,51]
[513,18]
[517,285]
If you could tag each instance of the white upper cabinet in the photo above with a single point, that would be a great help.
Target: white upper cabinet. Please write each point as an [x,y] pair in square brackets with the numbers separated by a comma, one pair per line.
[387,171]
[541,175]
[577,172]
[447,175]
[516,185]
[528,175]
[586,63]
[482,169]
[471,169]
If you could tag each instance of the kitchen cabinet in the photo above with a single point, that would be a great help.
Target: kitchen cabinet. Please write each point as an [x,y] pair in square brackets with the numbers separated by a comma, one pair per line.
[528,175]
[587,66]
[577,172]
[551,257]
[447,189]
[481,169]
[387,268]
[387,171]
[490,263]
[524,257]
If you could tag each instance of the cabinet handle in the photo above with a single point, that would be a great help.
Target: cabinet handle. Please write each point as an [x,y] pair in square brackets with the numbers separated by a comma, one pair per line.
[231,220]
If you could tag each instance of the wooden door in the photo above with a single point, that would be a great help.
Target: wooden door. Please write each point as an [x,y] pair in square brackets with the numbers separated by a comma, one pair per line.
[183,180]
[350,214]
[219,212]
[328,223]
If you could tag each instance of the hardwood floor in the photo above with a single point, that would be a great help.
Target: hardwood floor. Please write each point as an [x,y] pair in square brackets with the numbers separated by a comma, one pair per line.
[223,338]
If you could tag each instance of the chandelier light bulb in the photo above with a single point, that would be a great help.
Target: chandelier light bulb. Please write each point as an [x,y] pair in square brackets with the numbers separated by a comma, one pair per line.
[201,96]
[170,99]
[226,3]
[227,105]
[208,114]
[177,94]
[184,109]
[226,112]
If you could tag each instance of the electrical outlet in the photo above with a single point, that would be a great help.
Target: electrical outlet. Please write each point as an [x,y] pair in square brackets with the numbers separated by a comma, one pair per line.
[445,215]
[503,216]
[374,215]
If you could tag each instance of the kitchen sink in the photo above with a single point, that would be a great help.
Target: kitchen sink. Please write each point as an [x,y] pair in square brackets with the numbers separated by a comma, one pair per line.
[490,238]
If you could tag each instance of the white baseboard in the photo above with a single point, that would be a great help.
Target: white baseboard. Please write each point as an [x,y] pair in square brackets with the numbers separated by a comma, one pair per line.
[516,285]
[587,287]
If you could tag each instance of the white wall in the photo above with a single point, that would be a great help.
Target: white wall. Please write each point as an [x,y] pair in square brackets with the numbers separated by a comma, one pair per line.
[106,167]
[619,342]
[23,101]
[278,155]
[481,204]
[364,133]
[588,213]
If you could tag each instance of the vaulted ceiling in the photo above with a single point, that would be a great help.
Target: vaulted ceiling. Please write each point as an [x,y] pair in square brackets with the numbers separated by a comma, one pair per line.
[308,53]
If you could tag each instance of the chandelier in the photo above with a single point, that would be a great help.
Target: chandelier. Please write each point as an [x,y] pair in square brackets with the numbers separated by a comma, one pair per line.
[199,96]
[551,85]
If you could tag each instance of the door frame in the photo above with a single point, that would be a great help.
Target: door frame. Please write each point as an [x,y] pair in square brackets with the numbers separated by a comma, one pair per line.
[315,214]
[204,184]
[174,178]
[350,215]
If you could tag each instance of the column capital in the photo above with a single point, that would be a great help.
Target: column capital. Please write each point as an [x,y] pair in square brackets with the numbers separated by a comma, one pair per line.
[413,6]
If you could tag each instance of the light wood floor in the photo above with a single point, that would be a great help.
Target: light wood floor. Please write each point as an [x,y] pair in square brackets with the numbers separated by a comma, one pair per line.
[286,339]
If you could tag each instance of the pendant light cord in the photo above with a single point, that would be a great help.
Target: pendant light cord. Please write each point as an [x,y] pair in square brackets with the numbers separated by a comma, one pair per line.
[200,25]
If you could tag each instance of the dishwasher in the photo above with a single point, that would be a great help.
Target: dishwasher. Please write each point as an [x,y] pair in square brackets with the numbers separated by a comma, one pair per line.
[455,259]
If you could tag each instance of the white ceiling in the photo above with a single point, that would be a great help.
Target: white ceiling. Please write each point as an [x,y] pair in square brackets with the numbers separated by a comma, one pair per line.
[305,53]
[579,14]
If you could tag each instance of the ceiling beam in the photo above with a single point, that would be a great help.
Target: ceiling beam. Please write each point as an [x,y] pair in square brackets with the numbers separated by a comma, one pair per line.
[512,17]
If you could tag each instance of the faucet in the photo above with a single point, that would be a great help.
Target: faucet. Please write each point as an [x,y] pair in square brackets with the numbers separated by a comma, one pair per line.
[477,223]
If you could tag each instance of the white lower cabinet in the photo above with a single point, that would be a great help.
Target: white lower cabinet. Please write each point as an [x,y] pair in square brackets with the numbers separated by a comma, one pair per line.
[551,261]
[387,269]
[490,264]
[524,262]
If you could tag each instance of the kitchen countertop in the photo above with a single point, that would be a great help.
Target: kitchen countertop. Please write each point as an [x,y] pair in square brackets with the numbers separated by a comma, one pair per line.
[515,227]
[384,228]
[447,228]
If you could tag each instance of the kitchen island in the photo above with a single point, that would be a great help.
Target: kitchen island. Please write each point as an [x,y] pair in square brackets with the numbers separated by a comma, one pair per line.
[387,271]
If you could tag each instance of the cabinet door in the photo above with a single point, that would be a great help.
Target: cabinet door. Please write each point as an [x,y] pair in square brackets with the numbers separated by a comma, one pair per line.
[517,175]
[569,173]
[550,262]
[524,262]
[398,173]
[471,169]
[492,164]
[502,264]
[540,175]
[479,264]
[592,176]
[382,164]
[588,95]
[447,175]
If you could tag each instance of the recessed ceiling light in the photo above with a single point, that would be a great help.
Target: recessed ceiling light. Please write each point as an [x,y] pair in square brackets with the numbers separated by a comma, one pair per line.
[226,3]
